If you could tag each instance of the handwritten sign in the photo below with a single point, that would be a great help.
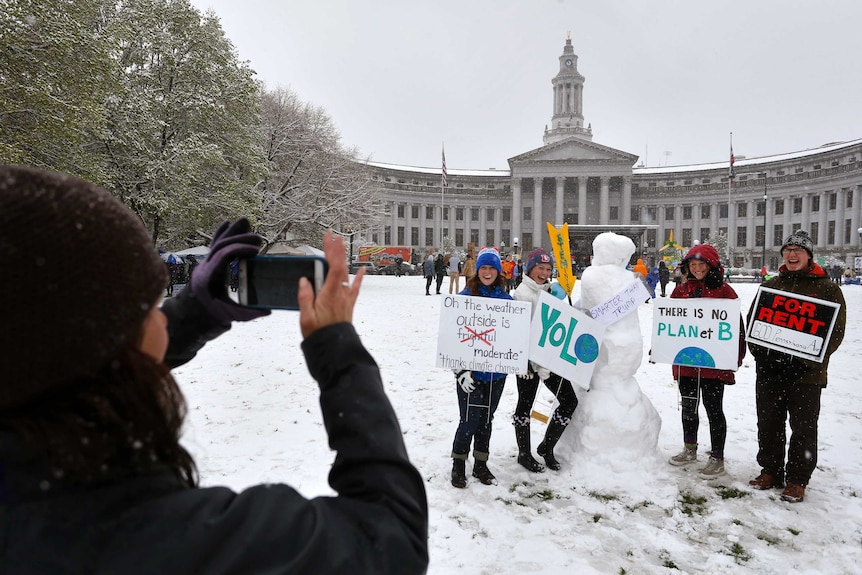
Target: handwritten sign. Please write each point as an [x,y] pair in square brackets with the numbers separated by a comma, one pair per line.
[484,334]
[792,323]
[697,332]
[565,340]
[622,304]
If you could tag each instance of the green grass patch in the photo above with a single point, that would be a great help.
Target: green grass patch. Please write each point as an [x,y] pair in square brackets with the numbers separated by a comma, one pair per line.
[604,497]
[768,539]
[691,504]
[739,553]
[731,492]
[542,495]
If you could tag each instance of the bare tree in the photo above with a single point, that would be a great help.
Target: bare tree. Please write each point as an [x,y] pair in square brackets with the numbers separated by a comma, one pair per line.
[313,183]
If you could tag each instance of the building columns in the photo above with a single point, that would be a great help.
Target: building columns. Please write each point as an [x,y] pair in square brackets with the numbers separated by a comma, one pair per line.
[604,201]
[582,200]
[559,214]
[537,212]
[517,210]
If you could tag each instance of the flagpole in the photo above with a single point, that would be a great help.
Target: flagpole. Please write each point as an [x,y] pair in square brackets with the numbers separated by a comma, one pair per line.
[729,190]
[443,182]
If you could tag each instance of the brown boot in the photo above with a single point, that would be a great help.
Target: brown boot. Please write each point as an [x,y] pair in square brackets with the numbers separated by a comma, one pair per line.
[766,481]
[793,493]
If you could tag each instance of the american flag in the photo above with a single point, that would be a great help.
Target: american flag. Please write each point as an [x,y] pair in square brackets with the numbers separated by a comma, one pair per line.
[445,174]
[732,174]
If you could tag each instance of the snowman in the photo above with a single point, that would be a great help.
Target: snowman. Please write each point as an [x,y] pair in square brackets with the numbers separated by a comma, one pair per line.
[615,428]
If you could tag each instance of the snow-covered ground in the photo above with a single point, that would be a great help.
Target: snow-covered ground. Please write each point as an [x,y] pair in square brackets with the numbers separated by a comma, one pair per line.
[254,417]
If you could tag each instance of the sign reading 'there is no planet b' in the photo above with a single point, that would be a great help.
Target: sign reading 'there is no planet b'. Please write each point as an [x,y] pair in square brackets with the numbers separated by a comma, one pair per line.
[697,332]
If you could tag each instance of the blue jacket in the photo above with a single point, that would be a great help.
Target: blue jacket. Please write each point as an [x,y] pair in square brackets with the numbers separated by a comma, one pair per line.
[495,292]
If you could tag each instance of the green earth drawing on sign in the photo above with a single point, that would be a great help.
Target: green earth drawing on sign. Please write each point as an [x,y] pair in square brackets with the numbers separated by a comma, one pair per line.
[694,356]
[586,348]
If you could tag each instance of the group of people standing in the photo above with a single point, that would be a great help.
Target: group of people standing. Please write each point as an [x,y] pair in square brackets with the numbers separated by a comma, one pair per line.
[439,266]
[786,385]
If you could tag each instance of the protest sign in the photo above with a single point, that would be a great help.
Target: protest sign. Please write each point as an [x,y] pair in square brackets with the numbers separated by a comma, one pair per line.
[565,340]
[623,303]
[792,323]
[484,334]
[696,332]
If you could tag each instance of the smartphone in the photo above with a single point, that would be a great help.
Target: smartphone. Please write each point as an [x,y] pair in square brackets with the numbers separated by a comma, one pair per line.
[272,282]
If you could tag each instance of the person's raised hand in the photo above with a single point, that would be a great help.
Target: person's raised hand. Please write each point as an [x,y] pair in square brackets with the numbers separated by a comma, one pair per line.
[230,241]
[335,301]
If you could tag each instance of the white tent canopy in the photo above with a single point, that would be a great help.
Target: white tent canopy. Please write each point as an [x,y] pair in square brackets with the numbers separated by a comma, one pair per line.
[195,251]
[309,250]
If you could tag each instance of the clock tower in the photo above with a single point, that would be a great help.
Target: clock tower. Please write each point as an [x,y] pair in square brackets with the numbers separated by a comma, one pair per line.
[568,86]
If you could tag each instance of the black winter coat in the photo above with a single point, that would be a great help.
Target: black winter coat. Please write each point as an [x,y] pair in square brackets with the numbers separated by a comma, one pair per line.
[151,523]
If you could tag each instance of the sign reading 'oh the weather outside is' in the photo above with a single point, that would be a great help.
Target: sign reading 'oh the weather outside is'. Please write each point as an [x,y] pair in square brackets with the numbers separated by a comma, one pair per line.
[484,334]
[698,332]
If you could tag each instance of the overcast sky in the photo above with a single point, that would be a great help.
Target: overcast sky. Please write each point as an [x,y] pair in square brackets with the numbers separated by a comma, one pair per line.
[667,80]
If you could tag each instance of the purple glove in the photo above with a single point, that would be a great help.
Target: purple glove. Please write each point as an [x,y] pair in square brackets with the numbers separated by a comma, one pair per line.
[230,241]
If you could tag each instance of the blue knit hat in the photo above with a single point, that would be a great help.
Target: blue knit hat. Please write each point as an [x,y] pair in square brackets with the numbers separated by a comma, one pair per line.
[489,257]
[536,257]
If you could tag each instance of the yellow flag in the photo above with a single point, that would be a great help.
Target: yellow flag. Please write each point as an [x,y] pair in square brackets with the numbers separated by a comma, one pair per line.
[560,243]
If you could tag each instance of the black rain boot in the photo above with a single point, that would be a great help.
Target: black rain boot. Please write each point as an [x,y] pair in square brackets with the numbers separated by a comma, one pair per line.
[459,473]
[483,474]
[546,448]
[525,458]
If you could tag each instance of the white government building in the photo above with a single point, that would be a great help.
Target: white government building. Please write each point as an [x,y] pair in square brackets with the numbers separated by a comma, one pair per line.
[596,188]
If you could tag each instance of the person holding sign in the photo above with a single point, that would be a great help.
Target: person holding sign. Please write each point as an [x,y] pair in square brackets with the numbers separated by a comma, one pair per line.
[478,392]
[788,384]
[537,278]
[704,278]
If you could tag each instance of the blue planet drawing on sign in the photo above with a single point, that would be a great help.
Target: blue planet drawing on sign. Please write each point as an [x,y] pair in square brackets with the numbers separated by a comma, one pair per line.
[586,348]
[694,356]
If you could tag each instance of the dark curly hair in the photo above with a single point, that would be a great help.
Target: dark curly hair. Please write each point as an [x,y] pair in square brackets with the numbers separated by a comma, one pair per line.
[125,421]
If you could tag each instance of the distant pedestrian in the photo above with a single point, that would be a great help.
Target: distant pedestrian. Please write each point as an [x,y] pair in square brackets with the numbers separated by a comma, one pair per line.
[663,277]
[428,272]
[454,271]
[439,270]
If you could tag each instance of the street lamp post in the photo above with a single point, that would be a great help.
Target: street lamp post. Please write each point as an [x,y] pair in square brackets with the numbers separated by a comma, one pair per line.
[763,257]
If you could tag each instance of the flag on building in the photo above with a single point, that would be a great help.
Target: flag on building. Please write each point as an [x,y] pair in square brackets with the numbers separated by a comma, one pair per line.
[445,174]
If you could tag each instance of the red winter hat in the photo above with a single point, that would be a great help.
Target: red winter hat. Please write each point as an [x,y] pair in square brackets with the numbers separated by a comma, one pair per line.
[86,274]
[705,253]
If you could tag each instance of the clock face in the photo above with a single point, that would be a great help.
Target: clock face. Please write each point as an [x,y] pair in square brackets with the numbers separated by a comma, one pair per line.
[568,62]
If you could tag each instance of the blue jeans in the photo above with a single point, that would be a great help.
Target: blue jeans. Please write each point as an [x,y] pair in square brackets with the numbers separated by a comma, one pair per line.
[477,413]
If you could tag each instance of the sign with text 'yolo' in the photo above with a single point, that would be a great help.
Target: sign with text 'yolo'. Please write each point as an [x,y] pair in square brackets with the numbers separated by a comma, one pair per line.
[696,332]
[792,323]
[484,334]
[565,340]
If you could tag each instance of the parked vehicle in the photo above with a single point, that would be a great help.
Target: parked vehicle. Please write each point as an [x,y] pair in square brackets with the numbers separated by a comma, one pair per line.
[407,269]
[370,267]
